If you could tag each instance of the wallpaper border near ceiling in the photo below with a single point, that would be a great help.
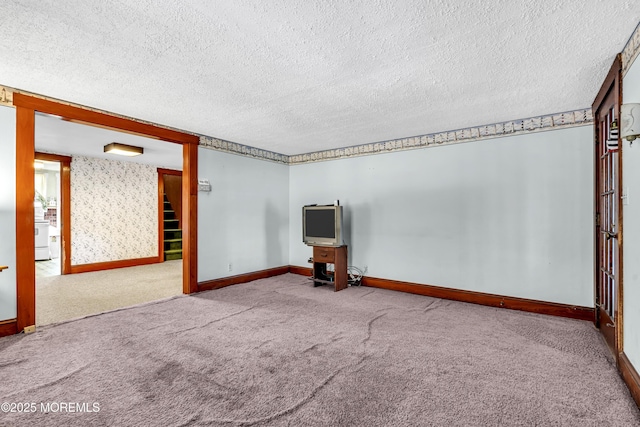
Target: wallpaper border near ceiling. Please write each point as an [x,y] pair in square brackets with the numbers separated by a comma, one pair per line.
[514,127]
[243,150]
[580,117]
[631,50]
[6,96]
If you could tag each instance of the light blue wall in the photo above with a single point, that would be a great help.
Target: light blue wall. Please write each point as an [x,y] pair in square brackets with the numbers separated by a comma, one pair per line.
[244,220]
[510,216]
[8,212]
[631,226]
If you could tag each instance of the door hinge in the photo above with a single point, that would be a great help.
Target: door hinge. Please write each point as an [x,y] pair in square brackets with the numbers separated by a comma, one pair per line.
[597,220]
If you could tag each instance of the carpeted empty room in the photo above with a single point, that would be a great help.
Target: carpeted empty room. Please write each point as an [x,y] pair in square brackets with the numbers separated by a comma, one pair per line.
[280,352]
[320,213]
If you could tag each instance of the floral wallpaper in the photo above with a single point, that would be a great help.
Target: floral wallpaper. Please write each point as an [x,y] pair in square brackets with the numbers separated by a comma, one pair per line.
[114,210]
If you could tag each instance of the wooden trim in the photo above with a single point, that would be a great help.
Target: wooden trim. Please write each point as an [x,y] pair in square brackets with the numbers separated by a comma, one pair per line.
[302,271]
[8,327]
[491,300]
[48,157]
[190,218]
[533,306]
[65,181]
[103,119]
[160,217]
[169,172]
[65,206]
[619,313]
[614,73]
[630,376]
[25,249]
[612,86]
[242,278]
[110,265]
[596,219]
[25,192]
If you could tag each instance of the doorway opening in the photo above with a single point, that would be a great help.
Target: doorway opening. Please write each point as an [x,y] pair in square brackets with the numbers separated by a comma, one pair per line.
[112,221]
[170,214]
[26,108]
[48,221]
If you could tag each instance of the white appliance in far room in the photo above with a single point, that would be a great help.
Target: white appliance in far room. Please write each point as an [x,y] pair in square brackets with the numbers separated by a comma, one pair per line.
[42,235]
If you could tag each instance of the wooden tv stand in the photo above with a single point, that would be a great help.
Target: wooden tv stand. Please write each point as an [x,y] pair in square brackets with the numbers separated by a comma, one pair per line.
[323,255]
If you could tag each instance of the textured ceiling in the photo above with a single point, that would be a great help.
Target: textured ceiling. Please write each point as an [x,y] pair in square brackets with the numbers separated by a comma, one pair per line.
[295,76]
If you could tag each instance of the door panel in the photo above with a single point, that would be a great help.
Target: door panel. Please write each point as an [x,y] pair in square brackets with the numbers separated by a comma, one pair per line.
[608,218]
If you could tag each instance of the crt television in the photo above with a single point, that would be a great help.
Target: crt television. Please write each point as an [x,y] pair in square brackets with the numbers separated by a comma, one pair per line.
[322,225]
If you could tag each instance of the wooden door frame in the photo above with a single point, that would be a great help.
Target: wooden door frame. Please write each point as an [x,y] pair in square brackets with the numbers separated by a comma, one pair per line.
[26,106]
[613,82]
[162,172]
[64,206]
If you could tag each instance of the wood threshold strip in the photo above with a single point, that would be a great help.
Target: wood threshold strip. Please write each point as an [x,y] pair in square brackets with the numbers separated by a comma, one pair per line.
[8,327]
[110,265]
[242,278]
[630,376]
[491,300]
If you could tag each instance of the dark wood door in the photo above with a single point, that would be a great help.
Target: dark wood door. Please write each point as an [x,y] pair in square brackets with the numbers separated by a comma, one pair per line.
[173,190]
[169,214]
[608,274]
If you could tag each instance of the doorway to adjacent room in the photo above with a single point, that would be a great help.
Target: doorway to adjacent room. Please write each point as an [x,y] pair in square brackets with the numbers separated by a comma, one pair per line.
[111,221]
[51,204]
[26,108]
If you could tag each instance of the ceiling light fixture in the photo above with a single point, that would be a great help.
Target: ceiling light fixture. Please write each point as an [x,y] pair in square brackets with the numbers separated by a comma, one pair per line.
[123,149]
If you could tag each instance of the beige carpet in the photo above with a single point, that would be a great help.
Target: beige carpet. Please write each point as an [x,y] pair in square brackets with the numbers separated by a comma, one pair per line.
[62,298]
[278,352]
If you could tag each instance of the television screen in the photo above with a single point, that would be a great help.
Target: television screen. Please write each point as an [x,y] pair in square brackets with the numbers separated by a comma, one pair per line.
[321,223]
